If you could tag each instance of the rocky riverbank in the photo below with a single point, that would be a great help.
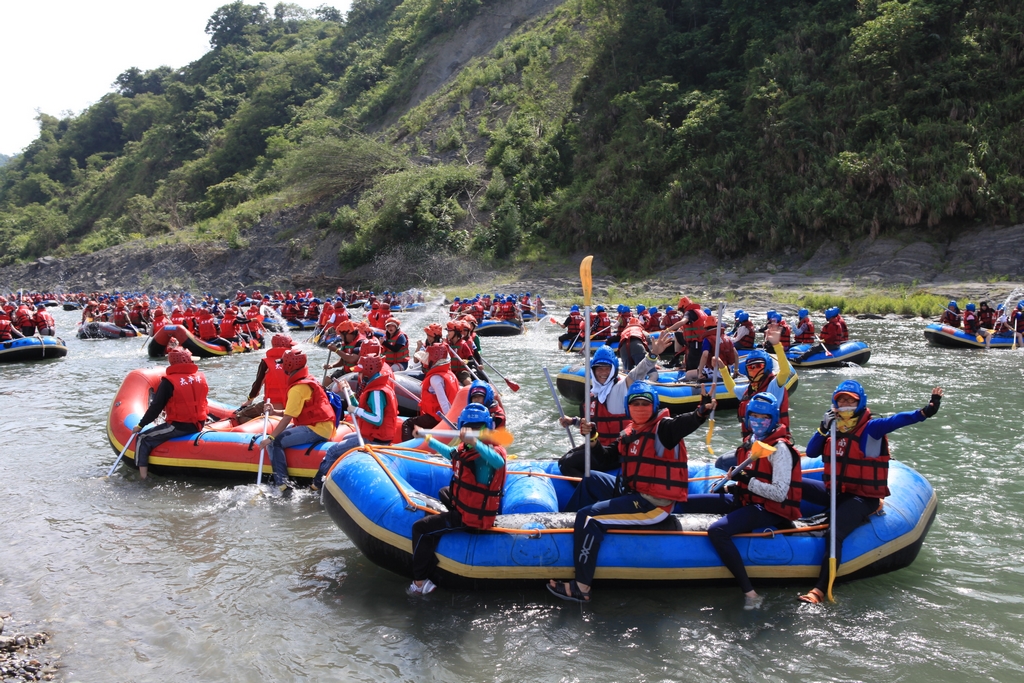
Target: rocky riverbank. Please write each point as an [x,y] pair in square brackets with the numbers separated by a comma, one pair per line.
[22,655]
[986,263]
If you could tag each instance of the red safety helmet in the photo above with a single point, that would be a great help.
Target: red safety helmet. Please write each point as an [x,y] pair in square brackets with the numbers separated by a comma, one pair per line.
[179,355]
[282,341]
[370,365]
[436,352]
[292,361]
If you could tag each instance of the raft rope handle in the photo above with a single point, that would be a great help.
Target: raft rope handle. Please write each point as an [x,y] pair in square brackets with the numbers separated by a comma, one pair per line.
[534,532]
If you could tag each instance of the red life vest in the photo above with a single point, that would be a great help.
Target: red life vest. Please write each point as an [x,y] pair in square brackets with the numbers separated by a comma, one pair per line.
[574,326]
[653,323]
[609,425]
[120,317]
[950,318]
[399,355]
[188,402]
[477,312]
[762,469]
[456,363]
[807,336]
[785,335]
[318,408]
[727,351]
[177,318]
[858,474]
[741,411]
[275,382]
[390,427]
[647,467]
[971,323]
[429,405]
[670,319]
[834,332]
[158,324]
[987,317]
[325,314]
[747,342]
[42,320]
[694,331]
[477,503]
[227,328]
[22,317]
[600,325]
[5,330]
[207,329]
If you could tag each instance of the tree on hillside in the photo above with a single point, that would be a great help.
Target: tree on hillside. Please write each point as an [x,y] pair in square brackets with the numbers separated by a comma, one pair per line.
[228,24]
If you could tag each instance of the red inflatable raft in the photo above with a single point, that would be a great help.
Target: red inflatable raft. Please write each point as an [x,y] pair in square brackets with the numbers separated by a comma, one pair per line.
[198,347]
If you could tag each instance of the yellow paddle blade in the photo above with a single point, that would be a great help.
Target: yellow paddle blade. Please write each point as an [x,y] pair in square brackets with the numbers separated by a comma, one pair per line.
[586,279]
[831,577]
[980,339]
[707,439]
[499,436]
[761,450]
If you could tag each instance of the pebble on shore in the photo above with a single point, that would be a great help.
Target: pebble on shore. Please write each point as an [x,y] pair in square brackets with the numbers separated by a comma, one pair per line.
[16,664]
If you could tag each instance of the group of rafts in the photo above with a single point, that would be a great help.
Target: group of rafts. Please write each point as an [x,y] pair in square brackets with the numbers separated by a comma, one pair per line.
[34,344]
[375,494]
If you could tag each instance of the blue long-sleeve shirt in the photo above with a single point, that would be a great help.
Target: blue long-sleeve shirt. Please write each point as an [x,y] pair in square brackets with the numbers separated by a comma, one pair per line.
[484,467]
[871,438]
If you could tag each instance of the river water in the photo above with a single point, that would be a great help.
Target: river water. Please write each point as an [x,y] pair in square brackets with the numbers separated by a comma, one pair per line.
[195,580]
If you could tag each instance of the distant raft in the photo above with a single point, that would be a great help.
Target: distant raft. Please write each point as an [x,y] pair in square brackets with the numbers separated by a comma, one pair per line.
[101,330]
[857,352]
[32,348]
[499,328]
[953,337]
[72,306]
[199,348]
[375,497]
[677,396]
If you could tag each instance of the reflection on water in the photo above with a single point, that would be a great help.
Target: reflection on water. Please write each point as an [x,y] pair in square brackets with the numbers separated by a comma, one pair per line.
[189,580]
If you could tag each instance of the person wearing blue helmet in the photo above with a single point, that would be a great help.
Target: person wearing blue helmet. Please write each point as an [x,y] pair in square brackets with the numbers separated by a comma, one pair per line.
[670,318]
[862,449]
[743,331]
[608,406]
[653,320]
[526,304]
[764,494]
[804,331]
[621,322]
[785,332]
[758,366]
[483,393]
[642,315]
[600,324]
[473,496]
[573,326]
[951,316]
[654,477]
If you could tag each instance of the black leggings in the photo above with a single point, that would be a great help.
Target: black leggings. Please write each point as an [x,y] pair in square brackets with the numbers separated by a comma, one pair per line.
[851,512]
[572,463]
[426,534]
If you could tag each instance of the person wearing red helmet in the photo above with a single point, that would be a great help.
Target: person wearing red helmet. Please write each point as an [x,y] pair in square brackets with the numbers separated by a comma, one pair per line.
[269,375]
[376,414]
[308,417]
[348,350]
[182,396]
[439,388]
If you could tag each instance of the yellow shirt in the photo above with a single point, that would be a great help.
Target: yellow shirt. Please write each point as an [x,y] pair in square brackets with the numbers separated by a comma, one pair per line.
[298,394]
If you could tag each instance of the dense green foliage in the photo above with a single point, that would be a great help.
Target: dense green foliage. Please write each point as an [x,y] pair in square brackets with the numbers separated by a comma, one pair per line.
[639,128]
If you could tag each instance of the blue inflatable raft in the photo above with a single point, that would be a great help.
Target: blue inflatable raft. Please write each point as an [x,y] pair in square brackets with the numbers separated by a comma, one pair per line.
[857,352]
[953,337]
[32,348]
[678,396]
[499,328]
[376,497]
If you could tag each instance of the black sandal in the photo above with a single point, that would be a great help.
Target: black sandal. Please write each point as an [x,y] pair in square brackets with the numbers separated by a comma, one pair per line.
[574,594]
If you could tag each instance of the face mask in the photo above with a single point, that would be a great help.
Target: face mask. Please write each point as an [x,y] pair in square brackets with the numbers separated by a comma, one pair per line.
[759,425]
[846,421]
[641,413]
[754,372]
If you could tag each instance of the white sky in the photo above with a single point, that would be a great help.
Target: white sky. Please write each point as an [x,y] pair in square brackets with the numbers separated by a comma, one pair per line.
[62,55]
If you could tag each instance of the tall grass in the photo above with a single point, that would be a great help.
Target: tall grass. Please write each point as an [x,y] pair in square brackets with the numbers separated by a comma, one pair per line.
[916,303]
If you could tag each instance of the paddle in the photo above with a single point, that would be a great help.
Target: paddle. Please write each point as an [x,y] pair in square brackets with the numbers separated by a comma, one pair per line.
[263,449]
[714,375]
[832,515]
[327,364]
[587,282]
[351,398]
[121,454]
[511,385]
[446,420]
[558,403]
[757,451]
[499,437]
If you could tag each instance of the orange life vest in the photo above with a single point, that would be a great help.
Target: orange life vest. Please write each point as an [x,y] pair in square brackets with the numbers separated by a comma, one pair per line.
[477,503]
[807,336]
[762,469]
[429,405]
[275,382]
[834,332]
[390,427]
[188,401]
[318,408]
[647,467]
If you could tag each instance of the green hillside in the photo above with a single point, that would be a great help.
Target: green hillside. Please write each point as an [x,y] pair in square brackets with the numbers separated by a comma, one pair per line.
[637,128]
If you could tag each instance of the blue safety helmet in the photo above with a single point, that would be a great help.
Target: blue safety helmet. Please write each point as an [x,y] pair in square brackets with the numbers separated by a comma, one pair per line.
[771,315]
[802,313]
[527,294]
[763,404]
[621,308]
[758,355]
[952,304]
[831,312]
[969,307]
[475,414]
[599,309]
[669,309]
[1020,304]
[456,299]
[642,390]
[851,387]
[652,309]
[605,356]
[999,307]
[479,385]
[741,316]
[574,309]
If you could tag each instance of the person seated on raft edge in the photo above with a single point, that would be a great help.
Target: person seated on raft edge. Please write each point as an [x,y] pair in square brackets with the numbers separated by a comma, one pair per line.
[181,394]
[573,326]
[726,353]
[951,316]
[308,417]
[7,329]
[438,389]
[608,406]
[654,478]
[481,392]
[765,494]
[863,449]
[473,497]
[972,326]
[270,377]
[757,366]
[833,335]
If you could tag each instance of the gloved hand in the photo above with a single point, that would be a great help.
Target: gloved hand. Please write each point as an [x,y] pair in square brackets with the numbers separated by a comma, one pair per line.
[933,404]
[742,476]
[729,487]
[826,420]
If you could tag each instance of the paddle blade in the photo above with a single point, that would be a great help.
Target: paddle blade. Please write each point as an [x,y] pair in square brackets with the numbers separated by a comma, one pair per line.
[553,321]
[761,450]
[499,437]
[831,577]
[511,385]
[586,279]
[707,439]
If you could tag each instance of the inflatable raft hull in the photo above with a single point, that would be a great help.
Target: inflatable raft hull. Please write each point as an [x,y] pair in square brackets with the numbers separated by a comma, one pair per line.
[498,328]
[100,330]
[955,338]
[857,352]
[157,347]
[677,397]
[72,306]
[532,542]
[223,449]
[32,348]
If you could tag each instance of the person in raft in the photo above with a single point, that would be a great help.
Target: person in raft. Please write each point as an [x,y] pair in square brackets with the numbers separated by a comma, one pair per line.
[473,497]
[862,452]
[269,375]
[308,417]
[182,396]
[654,478]
[765,494]
[608,406]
